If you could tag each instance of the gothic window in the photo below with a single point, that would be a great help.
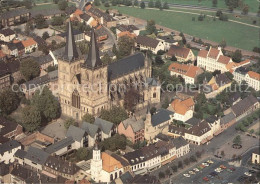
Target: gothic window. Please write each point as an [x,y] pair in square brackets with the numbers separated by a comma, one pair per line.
[154,95]
[76,99]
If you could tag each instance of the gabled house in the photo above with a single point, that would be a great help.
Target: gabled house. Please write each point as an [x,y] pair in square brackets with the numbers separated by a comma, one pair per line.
[147,43]
[12,17]
[29,45]
[188,72]
[7,35]
[7,151]
[133,129]
[127,28]
[214,124]
[182,54]
[183,109]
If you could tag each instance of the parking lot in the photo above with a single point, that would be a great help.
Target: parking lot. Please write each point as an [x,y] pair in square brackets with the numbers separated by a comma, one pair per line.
[209,174]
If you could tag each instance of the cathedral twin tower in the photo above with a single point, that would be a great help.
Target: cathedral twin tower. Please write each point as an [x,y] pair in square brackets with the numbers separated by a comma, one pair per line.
[84,81]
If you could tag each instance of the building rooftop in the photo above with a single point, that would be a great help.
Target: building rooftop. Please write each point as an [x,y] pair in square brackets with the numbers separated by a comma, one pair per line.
[6,126]
[178,51]
[8,146]
[147,41]
[59,145]
[7,32]
[161,116]
[76,133]
[243,105]
[36,155]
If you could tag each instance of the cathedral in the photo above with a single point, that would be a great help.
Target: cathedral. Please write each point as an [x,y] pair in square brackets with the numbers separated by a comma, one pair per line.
[86,85]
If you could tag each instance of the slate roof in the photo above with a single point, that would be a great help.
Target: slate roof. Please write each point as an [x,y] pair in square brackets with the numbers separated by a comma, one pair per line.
[7,32]
[104,125]
[6,127]
[14,13]
[222,79]
[199,129]
[136,125]
[75,132]
[91,129]
[227,118]
[39,40]
[192,121]
[59,145]
[36,155]
[130,28]
[97,12]
[179,142]
[19,46]
[243,105]
[145,179]
[167,39]
[147,41]
[4,169]
[45,12]
[151,81]
[20,153]
[43,59]
[161,116]
[71,52]
[211,119]
[85,17]
[75,32]
[233,97]
[123,161]
[8,146]
[125,65]
[126,177]
[242,70]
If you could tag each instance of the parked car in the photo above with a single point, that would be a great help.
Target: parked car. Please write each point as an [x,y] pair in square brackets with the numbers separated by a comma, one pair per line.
[205,164]
[218,170]
[248,174]
[205,179]
[231,168]
[214,173]
[196,170]
[222,167]
[186,175]
[210,161]
[191,172]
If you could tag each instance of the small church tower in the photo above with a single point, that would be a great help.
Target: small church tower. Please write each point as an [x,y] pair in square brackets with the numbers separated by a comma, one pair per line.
[96,164]
[148,124]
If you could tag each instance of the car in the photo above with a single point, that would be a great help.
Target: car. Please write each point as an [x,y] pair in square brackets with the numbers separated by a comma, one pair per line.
[252,171]
[248,174]
[196,170]
[231,168]
[186,175]
[205,164]
[217,156]
[210,162]
[191,172]
[222,167]
[218,170]
[205,179]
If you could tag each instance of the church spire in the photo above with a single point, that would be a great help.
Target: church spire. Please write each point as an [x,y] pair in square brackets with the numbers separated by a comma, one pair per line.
[71,52]
[93,60]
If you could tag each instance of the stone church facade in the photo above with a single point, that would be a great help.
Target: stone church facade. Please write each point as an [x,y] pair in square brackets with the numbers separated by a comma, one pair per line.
[86,85]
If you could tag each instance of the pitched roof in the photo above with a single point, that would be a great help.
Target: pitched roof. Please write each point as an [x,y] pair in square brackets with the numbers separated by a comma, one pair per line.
[71,52]
[44,59]
[192,121]
[161,116]
[19,45]
[75,132]
[20,153]
[128,28]
[126,33]
[45,12]
[188,70]
[93,60]
[199,129]
[211,119]
[243,105]
[135,125]
[182,106]
[224,59]
[213,53]
[104,125]
[254,75]
[59,145]
[2,54]
[78,12]
[203,53]
[125,65]
[178,51]
[7,32]
[7,126]
[14,13]
[29,42]
[227,118]
[85,16]
[109,163]
[36,155]
[242,70]
[91,129]
[179,142]
[222,79]
[145,179]
[147,41]
[8,146]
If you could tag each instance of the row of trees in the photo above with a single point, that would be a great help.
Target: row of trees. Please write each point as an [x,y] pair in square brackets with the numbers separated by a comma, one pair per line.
[156,4]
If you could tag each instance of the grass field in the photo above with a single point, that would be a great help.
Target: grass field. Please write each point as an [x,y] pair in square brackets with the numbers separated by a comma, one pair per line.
[253,4]
[236,35]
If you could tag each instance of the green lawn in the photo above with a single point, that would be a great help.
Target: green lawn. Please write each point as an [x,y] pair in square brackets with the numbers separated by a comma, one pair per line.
[236,35]
[253,4]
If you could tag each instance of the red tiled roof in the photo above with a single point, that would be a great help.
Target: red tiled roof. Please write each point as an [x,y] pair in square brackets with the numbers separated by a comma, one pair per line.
[2,54]
[213,53]
[188,70]
[29,42]
[203,53]
[254,75]
[224,59]
[181,107]
[178,51]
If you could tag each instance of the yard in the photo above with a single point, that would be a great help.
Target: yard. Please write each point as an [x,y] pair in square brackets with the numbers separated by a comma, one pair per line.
[236,35]
[253,4]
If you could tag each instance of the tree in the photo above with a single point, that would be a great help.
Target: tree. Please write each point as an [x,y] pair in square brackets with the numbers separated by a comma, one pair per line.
[136,3]
[165,5]
[237,56]
[168,172]
[57,21]
[114,49]
[88,118]
[45,35]
[153,110]
[9,101]
[28,27]
[82,154]
[56,1]
[44,48]
[27,4]
[29,68]
[142,5]
[198,154]
[200,17]
[158,60]
[125,46]
[205,75]
[97,3]
[166,102]
[174,168]
[245,9]
[151,4]
[131,99]
[115,115]
[193,158]
[186,161]
[161,175]
[40,22]
[106,59]
[31,118]
[150,28]
[237,140]
[113,143]
[63,5]
[214,3]
[173,58]
[223,44]
[106,4]
[229,75]
[47,104]
[180,164]
[219,13]
[69,122]
[223,17]
[158,4]
[216,72]
[251,131]
[83,47]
